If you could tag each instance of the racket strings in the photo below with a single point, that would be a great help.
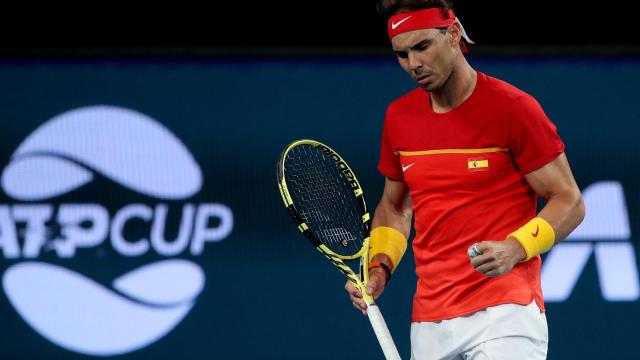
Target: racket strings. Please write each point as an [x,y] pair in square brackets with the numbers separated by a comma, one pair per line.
[325,199]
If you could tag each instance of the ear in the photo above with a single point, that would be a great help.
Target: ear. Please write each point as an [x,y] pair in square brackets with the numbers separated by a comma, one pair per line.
[455,32]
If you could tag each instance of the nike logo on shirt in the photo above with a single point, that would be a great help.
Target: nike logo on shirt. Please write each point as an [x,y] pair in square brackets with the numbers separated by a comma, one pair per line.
[395,25]
[404,168]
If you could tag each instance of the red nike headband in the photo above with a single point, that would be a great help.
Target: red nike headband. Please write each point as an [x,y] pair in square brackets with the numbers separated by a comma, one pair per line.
[422,19]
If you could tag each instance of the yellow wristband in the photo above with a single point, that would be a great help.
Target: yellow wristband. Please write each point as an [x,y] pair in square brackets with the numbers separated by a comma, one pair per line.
[388,241]
[536,237]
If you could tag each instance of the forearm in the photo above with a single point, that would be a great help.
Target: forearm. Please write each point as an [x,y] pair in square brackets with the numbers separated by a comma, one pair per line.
[397,217]
[563,212]
[391,226]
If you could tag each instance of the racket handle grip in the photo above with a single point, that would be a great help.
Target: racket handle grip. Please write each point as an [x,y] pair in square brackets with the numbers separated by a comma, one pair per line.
[382,333]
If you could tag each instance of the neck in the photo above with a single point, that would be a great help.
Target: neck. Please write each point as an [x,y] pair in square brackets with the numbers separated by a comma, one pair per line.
[456,90]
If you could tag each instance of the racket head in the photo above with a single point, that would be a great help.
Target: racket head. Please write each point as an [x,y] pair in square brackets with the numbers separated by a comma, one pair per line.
[324,198]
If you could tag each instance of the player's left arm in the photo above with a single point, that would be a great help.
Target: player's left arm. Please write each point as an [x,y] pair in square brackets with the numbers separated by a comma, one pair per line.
[564,207]
[562,213]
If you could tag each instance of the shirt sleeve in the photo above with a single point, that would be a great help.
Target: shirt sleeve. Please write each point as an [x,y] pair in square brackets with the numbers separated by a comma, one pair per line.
[534,140]
[389,164]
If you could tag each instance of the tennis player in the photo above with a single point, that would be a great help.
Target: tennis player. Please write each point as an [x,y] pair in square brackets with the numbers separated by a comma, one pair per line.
[469,155]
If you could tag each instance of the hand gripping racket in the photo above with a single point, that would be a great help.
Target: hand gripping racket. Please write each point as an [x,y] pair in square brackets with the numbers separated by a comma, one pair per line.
[327,203]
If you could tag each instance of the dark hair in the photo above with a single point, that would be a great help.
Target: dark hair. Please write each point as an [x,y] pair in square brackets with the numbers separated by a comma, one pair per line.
[388,8]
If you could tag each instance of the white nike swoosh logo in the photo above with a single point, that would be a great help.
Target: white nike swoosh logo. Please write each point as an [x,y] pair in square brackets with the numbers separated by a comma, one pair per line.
[404,168]
[395,25]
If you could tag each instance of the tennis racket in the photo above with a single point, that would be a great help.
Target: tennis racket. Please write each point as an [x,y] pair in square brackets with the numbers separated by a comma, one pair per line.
[327,203]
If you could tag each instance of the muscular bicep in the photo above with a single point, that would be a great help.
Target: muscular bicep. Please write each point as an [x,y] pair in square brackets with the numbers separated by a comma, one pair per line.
[553,178]
[564,207]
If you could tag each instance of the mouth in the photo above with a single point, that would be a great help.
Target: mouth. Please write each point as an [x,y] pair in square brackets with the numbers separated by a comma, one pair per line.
[423,79]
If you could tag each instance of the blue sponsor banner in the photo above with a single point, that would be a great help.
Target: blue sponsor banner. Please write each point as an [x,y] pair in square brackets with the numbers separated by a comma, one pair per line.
[140,218]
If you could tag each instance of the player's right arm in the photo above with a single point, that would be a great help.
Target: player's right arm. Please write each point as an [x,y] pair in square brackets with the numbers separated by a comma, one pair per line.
[394,211]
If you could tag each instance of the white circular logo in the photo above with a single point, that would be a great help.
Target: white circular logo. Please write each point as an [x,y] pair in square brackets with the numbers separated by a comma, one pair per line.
[138,153]
[125,146]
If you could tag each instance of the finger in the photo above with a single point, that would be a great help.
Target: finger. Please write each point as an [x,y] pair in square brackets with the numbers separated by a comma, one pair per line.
[359,304]
[483,246]
[372,286]
[497,271]
[375,283]
[482,259]
[486,268]
[352,290]
[356,292]
[493,273]
[376,287]
[473,251]
[377,292]
[379,275]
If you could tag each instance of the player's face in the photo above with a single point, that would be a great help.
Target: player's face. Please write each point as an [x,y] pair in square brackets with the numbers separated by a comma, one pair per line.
[427,55]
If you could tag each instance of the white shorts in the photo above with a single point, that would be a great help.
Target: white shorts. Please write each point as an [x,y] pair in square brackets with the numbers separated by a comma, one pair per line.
[499,332]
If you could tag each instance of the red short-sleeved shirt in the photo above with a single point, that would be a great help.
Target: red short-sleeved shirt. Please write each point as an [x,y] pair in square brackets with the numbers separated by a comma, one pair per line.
[465,171]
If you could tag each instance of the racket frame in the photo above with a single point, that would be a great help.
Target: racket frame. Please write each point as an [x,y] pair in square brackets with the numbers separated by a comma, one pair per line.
[358,280]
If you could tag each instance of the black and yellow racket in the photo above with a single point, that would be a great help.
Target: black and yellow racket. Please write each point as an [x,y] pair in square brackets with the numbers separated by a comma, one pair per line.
[327,203]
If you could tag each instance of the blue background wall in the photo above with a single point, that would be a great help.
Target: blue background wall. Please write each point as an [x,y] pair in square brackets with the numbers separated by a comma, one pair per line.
[268,294]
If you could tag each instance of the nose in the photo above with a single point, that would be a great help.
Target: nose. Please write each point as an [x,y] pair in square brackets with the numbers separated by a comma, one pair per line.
[414,63]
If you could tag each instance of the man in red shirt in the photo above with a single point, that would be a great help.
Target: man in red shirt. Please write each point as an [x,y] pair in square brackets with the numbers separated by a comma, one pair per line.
[469,155]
